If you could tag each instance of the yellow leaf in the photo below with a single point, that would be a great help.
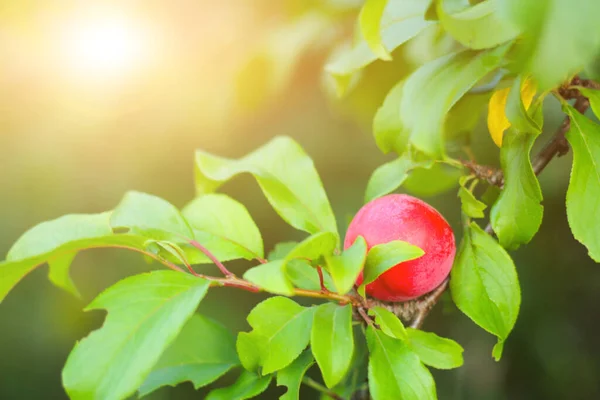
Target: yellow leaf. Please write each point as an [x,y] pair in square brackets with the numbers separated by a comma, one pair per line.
[497,121]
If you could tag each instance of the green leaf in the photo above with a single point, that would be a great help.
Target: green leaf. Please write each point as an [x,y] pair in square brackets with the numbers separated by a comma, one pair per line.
[48,236]
[281,330]
[479,26]
[250,347]
[150,216]
[247,386]
[203,351]
[292,375]
[516,113]
[435,351]
[346,268]
[58,273]
[546,50]
[484,283]
[432,179]
[369,18]
[57,240]
[285,174]
[517,214]
[224,227]
[305,276]
[389,323]
[395,372]
[583,195]
[274,276]
[388,130]
[384,256]
[332,341]
[145,314]
[356,378]
[314,247]
[271,277]
[471,207]
[431,91]
[401,22]
[390,176]
[281,250]
[593,96]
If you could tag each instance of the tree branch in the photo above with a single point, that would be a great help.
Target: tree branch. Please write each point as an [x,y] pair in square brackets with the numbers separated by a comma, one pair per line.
[425,305]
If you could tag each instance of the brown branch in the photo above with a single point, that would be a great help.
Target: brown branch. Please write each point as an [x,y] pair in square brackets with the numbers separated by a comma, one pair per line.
[491,175]
[426,304]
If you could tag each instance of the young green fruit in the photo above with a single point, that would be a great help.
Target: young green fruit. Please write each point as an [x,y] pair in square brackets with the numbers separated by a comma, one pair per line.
[403,217]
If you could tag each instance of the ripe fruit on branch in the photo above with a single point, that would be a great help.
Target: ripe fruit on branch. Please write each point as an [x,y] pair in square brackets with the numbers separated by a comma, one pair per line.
[403,217]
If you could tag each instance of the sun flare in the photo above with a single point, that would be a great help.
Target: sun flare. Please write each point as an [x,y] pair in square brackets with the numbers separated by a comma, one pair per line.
[105,46]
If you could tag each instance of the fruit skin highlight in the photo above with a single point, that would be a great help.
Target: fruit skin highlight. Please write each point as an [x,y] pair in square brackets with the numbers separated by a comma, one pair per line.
[403,217]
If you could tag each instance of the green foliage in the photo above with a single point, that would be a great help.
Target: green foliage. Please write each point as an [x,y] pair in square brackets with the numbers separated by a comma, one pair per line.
[389,323]
[471,207]
[150,216]
[271,277]
[281,330]
[202,352]
[431,91]
[384,256]
[583,194]
[435,351]
[484,284]
[225,227]
[332,342]
[389,177]
[57,241]
[346,268]
[370,25]
[395,371]
[401,21]
[247,386]
[546,49]
[517,214]
[145,314]
[285,174]
[479,26]
[291,376]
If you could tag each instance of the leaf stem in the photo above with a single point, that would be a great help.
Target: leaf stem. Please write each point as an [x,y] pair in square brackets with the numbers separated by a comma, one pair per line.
[212,258]
[322,279]
[320,388]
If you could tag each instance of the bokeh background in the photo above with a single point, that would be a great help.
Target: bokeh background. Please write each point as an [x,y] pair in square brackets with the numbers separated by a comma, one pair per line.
[103,97]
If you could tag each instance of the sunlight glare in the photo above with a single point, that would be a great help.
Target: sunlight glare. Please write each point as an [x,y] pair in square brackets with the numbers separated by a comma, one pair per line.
[105,46]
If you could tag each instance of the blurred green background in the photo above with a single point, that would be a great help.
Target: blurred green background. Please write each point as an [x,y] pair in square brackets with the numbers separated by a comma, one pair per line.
[82,125]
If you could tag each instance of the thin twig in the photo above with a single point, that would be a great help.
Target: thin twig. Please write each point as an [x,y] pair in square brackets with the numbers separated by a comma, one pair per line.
[365,316]
[320,388]
[322,279]
[212,258]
